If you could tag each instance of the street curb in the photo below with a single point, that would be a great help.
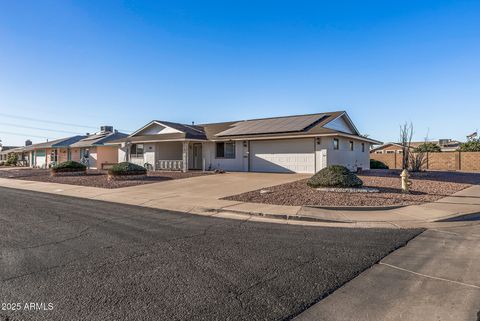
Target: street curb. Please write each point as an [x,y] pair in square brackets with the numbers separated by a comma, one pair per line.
[285,217]
[355,208]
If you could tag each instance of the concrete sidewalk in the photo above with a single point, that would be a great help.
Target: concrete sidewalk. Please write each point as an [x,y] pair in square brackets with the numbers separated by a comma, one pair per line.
[202,195]
[436,277]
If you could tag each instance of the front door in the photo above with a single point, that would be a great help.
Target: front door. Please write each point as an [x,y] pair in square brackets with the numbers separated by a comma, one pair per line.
[197,156]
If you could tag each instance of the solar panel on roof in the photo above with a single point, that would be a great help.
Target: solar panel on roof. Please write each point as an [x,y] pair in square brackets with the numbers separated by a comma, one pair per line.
[273,125]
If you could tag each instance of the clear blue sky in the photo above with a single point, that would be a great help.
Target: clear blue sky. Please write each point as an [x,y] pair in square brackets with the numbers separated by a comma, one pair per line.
[125,63]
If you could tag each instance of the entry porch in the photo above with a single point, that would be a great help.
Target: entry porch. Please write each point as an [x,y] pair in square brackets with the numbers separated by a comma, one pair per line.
[169,155]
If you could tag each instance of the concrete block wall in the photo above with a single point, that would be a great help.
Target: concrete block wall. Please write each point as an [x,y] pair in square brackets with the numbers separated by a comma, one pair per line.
[447,161]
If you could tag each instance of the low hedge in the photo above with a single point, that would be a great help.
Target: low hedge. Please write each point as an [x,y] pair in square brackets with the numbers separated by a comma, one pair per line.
[375,164]
[126,168]
[69,166]
[335,176]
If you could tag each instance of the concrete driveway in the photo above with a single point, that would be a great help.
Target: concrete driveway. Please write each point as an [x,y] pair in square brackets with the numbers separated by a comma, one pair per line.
[201,191]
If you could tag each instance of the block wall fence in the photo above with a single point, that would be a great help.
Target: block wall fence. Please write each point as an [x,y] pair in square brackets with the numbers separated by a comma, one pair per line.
[448,161]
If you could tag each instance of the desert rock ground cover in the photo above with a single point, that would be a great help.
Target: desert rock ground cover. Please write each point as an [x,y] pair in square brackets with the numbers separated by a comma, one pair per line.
[426,187]
[94,178]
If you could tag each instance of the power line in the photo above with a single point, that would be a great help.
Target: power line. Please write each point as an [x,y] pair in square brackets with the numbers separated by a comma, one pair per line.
[54,122]
[46,121]
[24,135]
[43,129]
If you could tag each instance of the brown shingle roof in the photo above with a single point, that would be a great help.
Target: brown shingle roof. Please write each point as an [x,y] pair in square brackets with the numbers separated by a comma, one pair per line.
[262,127]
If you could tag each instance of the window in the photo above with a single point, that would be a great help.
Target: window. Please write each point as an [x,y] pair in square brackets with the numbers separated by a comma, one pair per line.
[136,150]
[225,150]
[336,143]
[363,147]
[390,152]
[84,153]
[351,145]
[54,155]
[379,152]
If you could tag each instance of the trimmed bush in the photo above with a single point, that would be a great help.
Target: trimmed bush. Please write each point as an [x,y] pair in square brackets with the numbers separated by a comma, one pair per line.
[126,168]
[335,176]
[69,166]
[12,160]
[375,164]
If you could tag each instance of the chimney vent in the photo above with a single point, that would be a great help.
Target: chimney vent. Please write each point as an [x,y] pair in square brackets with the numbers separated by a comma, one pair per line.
[106,129]
[28,142]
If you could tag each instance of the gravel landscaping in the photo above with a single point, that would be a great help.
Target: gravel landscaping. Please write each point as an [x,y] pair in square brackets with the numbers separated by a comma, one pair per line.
[426,187]
[95,178]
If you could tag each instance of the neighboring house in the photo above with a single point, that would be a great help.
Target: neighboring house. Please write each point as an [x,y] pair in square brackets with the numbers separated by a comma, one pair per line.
[388,148]
[43,155]
[446,145]
[22,156]
[88,149]
[300,144]
[92,150]
[5,151]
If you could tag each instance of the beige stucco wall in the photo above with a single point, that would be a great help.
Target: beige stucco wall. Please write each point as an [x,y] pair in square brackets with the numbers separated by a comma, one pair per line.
[75,154]
[62,155]
[106,154]
[344,156]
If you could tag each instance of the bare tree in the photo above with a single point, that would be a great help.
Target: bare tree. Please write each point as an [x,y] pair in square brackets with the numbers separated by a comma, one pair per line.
[418,160]
[406,134]
[418,157]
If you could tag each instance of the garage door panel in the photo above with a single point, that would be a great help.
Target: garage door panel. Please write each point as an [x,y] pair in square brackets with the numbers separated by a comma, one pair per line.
[288,156]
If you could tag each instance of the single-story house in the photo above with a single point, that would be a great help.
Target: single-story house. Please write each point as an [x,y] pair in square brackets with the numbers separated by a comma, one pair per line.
[5,151]
[87,149]
[446,145]
[295,144]
[43,155]
[92,149]
[22,156]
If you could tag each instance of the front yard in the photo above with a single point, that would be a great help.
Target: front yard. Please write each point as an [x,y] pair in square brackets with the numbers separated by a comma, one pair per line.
[94,178]
[426,187]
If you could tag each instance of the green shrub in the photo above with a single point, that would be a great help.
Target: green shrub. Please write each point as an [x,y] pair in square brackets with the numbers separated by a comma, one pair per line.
[12,160]
[376,164]
[69,166]
[335,176]
[471,146]
[127,168]
[428,147]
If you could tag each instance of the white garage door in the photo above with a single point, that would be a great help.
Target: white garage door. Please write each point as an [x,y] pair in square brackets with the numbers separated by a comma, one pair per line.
[287,155]
[40,160]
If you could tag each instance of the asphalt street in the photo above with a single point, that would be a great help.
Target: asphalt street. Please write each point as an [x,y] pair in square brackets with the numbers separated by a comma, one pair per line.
[65,258]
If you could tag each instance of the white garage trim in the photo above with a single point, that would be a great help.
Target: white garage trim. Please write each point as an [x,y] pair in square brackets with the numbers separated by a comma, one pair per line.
[283,156]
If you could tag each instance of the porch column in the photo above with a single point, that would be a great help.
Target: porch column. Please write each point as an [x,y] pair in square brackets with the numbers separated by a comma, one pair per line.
[185,157]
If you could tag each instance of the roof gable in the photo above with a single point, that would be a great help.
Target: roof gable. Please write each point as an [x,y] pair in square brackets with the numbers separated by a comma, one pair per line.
[342,123]
[156,128]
